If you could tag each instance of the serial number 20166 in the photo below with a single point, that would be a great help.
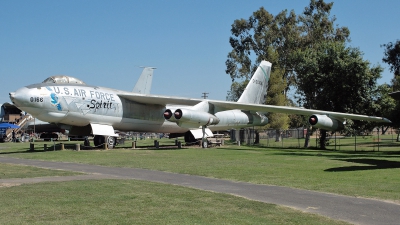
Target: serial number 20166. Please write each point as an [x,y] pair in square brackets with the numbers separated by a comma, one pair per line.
[36,99]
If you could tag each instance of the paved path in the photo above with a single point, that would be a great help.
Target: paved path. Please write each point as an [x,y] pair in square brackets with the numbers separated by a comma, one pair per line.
[350,209]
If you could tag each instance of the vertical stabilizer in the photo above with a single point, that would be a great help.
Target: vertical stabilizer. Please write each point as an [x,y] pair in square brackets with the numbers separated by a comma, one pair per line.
[256,89]
[143,85]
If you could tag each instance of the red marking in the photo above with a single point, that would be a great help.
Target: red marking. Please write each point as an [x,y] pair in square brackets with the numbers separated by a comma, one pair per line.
[313,120]
[178,115]
[167,115]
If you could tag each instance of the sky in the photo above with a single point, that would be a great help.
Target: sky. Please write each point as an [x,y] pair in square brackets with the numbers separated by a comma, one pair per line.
[104,43]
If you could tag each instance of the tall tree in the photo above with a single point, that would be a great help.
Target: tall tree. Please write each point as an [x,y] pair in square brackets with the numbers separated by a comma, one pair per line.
[276,38]
[392,57]
[386,106]
[262,37]
[333,77]
[316,25]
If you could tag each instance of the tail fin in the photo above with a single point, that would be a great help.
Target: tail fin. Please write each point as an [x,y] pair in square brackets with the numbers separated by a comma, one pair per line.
[143,85]
[256,89]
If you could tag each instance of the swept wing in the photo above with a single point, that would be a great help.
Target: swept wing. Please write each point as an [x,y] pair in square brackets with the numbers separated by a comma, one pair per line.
[226,105]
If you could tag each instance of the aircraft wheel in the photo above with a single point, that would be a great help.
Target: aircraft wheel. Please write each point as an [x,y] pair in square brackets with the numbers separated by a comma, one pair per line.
[110,142]
[204,144]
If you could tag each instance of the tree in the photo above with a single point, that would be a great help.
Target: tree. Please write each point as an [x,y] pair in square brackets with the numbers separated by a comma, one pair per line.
[276,38]
[333,77]
[278,121]
[386,105]
[392,57]
[263,37]
[237,89]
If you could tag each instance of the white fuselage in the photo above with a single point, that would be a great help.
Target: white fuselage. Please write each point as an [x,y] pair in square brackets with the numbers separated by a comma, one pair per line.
[80,105]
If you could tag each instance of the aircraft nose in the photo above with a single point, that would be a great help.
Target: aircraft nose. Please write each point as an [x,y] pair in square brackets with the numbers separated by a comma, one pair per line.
[19,97]
[12,96]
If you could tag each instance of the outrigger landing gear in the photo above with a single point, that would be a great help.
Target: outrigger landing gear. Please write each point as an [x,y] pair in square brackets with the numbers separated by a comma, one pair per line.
[100,140]
[204,142]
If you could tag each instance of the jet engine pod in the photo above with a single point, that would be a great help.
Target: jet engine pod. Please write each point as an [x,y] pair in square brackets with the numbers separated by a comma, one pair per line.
[325,122]
[197,118]
[167,114]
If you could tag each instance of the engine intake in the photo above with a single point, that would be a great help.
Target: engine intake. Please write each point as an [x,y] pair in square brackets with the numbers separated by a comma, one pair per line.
[325,122]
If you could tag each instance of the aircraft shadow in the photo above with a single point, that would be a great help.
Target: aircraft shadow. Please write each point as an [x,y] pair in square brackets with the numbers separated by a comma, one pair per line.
[372,164]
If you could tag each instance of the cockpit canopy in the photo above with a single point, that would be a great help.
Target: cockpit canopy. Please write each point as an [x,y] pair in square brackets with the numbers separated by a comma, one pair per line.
[61,79]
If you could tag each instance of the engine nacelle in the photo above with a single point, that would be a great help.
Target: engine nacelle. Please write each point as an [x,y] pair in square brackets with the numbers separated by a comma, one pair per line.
[239,118]
[190,118]
[325,122]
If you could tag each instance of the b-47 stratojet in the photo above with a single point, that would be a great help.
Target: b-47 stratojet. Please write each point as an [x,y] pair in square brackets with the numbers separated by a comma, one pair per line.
[91,110]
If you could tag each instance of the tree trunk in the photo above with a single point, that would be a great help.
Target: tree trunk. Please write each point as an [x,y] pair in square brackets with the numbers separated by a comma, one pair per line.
[307,140]
[384,130]
[257,139]
[278,135]
[322,139]
[398,137]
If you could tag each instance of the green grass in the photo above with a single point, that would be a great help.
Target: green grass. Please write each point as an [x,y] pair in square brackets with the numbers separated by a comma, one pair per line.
[355,173]
[17,171]
[137,202]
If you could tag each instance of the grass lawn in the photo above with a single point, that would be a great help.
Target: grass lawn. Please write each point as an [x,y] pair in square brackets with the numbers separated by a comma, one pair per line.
[18,171]
[137,202]
[363,173]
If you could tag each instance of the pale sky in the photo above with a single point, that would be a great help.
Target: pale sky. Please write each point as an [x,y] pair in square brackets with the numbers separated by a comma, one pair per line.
[103,43]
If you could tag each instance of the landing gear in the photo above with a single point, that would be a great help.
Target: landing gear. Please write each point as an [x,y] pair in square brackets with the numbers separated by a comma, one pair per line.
[86,142]
[100,141]
[204,144]
[111,141]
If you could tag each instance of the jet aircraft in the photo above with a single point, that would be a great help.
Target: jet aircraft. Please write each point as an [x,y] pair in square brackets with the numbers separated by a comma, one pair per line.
[142,86]
[91,110]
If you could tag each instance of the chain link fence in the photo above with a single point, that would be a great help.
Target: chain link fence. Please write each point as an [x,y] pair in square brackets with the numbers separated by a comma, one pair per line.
[375,140]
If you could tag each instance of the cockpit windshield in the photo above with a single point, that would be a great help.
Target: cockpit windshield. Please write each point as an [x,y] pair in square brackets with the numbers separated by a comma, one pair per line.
[63,80]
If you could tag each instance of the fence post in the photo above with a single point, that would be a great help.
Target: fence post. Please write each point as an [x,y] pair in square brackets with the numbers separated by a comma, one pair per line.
[156,144]
[378,139]
[355,140]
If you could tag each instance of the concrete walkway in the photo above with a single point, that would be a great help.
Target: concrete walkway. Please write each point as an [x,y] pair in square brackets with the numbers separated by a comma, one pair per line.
[350,209]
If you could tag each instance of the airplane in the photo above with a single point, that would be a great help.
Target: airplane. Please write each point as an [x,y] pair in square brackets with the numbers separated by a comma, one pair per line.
[143,85]
[92,110]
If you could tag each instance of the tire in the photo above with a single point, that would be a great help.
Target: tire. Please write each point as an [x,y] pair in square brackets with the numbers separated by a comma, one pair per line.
[204,144]
[111,141]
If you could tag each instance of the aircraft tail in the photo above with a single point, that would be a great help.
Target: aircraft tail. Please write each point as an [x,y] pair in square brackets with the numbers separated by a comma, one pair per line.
[256,89]
[143,85]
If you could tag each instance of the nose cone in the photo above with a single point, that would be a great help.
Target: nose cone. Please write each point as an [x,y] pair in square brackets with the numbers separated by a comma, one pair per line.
[20,97]
[12,94]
